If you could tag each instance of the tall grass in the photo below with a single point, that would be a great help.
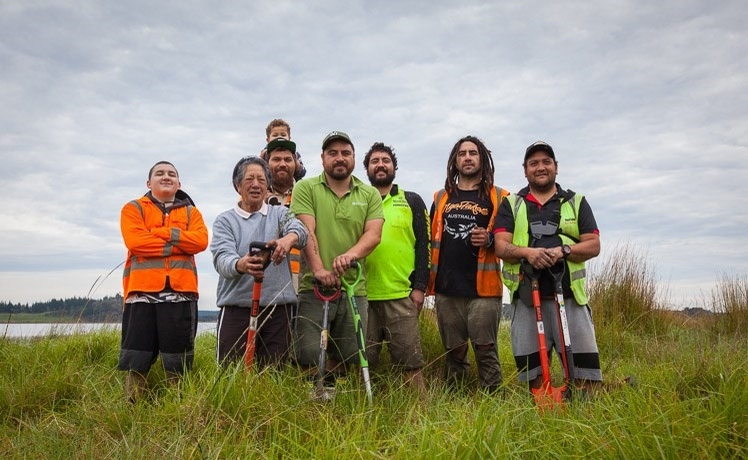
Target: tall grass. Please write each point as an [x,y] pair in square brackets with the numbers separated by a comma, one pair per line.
[623,291]
[61,397]
[729,299]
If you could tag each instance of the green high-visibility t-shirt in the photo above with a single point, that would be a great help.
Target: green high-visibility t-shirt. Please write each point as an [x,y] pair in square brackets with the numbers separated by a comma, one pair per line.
[390,265]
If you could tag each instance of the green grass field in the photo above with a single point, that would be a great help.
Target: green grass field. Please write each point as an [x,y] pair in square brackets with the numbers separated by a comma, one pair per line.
[61,397]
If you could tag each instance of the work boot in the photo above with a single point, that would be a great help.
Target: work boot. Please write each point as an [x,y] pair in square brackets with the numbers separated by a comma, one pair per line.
[172,382]
[414,379]
[172,378]
[493,390]
[135,385]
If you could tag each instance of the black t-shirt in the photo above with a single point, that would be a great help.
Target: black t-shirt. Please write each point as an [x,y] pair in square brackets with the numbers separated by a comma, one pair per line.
[458,258]
[587,224]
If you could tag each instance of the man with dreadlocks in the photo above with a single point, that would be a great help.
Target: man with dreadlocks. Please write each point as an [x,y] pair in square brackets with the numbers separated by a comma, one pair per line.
[465,271]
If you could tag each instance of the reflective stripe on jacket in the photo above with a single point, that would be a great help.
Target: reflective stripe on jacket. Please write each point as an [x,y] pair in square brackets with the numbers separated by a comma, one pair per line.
[488,281]
[569,233]
[160,245]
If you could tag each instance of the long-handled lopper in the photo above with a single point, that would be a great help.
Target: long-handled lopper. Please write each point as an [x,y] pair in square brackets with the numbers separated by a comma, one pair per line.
[358,326]
[547,395]
[567,355]
[256,248]
[321,366]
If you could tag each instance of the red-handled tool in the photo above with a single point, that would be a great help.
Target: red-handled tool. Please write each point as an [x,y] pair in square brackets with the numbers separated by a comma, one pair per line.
[547,395]
[256,248]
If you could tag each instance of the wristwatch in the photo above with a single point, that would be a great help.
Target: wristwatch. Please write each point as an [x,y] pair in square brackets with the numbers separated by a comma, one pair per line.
[566,250]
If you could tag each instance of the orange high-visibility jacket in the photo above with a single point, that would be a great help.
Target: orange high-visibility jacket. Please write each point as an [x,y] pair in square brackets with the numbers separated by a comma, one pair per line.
[488,280]
[160,245]
[294,255]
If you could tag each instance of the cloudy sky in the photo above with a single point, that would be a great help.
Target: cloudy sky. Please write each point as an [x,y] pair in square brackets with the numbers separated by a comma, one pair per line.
[645,103]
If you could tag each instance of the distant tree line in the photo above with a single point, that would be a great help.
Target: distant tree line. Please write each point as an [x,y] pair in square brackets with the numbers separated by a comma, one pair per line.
[108,309]
[83,309]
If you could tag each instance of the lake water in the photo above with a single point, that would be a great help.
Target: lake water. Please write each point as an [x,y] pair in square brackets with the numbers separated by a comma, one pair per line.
[29,330]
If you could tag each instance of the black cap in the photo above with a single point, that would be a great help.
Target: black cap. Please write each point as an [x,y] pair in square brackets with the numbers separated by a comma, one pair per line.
[280,143]
[539,146]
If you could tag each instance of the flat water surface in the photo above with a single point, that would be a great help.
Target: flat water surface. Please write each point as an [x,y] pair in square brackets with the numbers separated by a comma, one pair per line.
[30,330]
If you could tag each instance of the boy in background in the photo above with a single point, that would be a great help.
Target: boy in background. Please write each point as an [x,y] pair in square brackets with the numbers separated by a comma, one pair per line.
[280,128]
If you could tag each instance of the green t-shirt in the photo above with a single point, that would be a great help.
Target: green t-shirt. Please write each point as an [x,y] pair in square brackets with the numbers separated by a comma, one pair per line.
[339,221]
[390,265]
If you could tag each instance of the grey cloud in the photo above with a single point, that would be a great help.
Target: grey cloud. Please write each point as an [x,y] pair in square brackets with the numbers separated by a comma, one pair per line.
[643,102]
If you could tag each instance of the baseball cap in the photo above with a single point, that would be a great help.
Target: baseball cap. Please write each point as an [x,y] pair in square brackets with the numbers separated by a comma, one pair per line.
[336,136]
[539,146]
[278,143]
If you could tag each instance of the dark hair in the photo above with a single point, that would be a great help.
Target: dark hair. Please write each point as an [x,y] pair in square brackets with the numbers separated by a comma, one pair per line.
[299,169]
[296,162]
[162,162]
[241,167]
[275,123]
[380,147]
[486,165]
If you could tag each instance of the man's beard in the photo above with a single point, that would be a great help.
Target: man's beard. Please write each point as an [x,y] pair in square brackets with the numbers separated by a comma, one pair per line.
[471,175]
[383,181]
[549,184]
[284,182]
[333,172]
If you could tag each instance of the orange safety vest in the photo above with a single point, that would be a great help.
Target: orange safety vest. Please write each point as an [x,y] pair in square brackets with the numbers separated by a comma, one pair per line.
[160,246]
[294,255]
[488,279]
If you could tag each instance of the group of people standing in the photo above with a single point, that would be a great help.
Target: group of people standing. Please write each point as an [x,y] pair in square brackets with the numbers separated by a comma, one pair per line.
[318,227]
